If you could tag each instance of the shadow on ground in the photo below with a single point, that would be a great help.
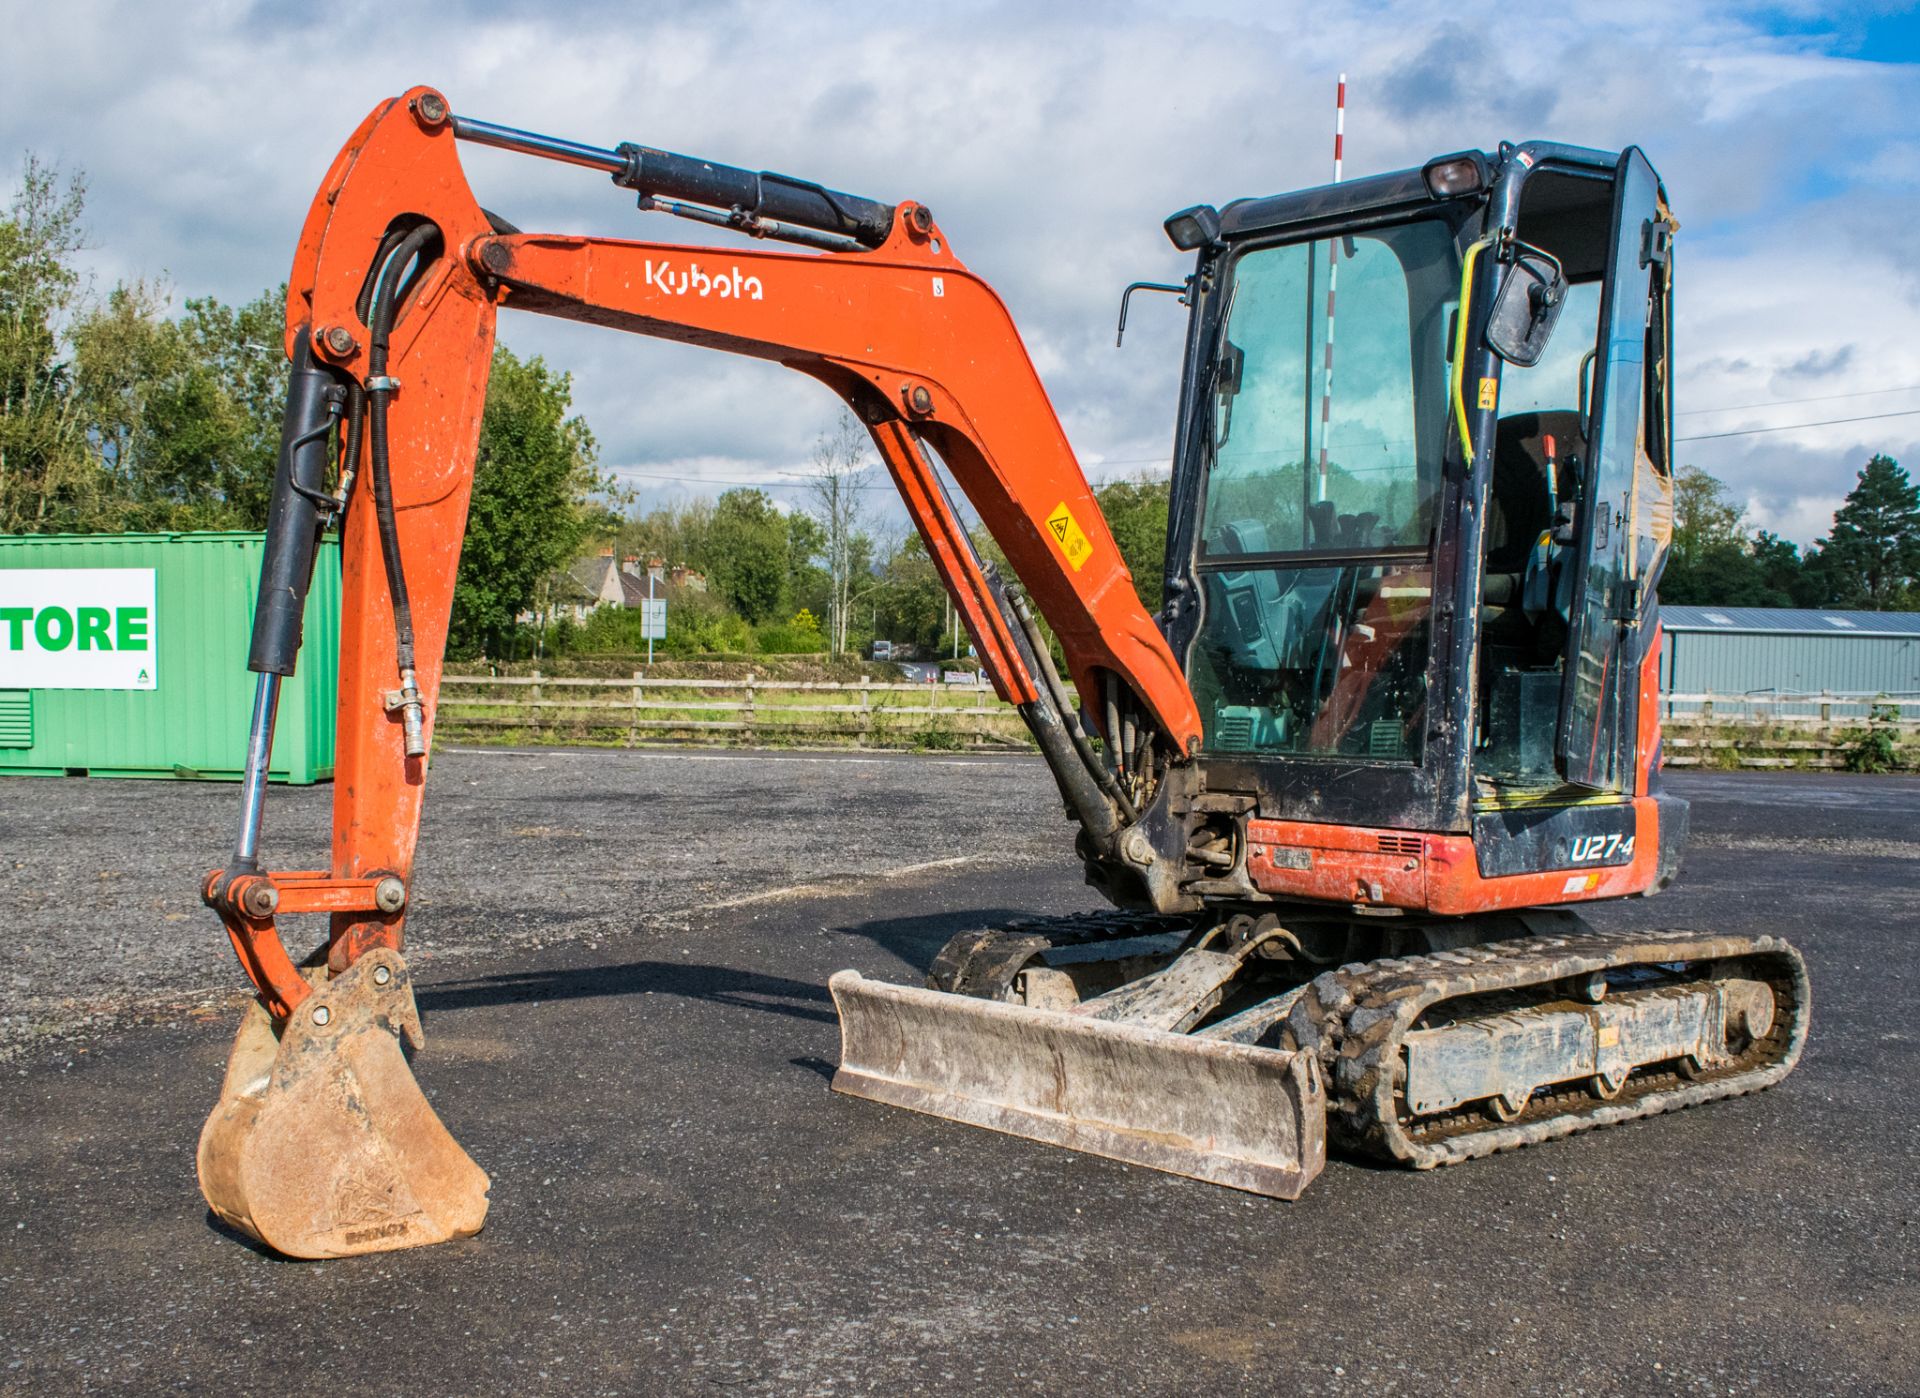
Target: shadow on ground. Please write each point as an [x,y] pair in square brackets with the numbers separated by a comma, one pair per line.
[913,940]
[916,940]
[723,985]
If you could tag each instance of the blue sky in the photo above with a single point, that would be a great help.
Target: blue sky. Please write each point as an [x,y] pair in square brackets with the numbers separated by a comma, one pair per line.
[1879,34]
[1050,142]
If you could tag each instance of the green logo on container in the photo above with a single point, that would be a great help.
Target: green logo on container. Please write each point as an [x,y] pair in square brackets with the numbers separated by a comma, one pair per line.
[77,628]
[84,628]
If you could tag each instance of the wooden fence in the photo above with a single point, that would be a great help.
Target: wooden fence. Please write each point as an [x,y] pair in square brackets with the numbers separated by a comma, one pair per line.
[1701,730]
[1818,729]
[750,711]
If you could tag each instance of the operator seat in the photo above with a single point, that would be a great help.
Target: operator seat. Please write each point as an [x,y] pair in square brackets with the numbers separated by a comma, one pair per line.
[1520,509]
[1522,501]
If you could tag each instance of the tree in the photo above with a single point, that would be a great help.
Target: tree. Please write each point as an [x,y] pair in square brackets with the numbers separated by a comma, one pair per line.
[910,597]
[1712,561]
[678,533]
[180,446]
[1724,574]
[807,584]
[1783,572]
[121,351]
[747,562]
[799,635]
[242,350]
[533,481]
[1136,512]
[1871,559]
[1703,559]
[48,478]
[841,473]
[1704,513]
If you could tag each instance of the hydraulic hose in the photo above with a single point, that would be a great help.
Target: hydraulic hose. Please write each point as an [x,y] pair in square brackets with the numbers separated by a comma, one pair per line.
[1043,718]
[1042,664]
[350,458]
[380,388]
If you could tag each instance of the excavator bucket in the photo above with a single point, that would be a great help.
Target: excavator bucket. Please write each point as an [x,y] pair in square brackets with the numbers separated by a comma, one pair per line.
[1234,1114]
[322,1144]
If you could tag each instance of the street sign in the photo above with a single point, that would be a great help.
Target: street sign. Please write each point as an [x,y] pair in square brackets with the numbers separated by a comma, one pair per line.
[653,618]
[77,628]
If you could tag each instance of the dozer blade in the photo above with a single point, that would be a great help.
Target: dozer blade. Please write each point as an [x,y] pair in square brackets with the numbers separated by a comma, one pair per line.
[1234,1114]
[322,1144]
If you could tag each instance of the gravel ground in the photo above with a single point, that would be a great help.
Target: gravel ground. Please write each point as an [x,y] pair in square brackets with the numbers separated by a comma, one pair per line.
[680,1206]
[517,849]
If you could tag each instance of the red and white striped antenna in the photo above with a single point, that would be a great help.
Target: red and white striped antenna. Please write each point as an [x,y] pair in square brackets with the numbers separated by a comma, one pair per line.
[1339,125]
[1333,273]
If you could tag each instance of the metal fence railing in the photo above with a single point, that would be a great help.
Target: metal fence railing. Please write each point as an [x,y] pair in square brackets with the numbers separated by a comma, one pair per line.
[750,710]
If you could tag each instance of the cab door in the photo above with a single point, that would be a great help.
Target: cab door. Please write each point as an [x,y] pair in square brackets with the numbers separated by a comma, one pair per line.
[1593,747]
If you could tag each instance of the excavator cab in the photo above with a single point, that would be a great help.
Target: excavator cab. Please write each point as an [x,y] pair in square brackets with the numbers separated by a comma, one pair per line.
[1412,576]
[1421,495]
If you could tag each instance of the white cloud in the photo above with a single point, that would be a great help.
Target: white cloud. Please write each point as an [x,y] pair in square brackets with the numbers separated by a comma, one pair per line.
[1050,143]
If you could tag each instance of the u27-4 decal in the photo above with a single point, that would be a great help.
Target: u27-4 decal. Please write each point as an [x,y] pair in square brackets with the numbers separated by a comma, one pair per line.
[1601,849]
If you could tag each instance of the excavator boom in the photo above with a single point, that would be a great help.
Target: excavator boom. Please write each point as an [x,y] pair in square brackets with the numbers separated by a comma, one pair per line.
[390,331]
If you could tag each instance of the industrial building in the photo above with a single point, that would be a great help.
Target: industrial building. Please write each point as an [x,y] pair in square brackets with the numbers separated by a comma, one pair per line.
[1763,652]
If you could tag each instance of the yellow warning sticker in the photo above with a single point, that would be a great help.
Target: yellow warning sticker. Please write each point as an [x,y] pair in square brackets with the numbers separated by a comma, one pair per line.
[1489,392]
[1070,536]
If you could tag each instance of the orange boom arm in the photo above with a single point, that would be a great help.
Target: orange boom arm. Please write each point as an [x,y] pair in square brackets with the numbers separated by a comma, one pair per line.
[921,350]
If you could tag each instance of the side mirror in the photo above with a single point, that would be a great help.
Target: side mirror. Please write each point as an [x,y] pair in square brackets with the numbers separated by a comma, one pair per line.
[1527,308]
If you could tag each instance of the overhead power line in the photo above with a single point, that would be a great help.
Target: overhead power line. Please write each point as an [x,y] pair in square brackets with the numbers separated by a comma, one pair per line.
[1784,402]
[1795,426]
[887,485]
[626,473]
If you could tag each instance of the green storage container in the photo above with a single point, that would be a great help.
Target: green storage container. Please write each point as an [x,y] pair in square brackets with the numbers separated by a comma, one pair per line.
[192,721]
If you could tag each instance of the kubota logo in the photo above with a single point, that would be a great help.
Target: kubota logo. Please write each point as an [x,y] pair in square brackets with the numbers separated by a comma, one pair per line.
[691,281]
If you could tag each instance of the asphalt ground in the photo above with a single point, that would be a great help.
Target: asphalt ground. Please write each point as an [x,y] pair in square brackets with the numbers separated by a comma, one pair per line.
[622,961]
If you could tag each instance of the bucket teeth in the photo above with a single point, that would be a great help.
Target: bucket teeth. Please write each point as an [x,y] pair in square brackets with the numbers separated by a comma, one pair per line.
[322,1144]
[1235,1114]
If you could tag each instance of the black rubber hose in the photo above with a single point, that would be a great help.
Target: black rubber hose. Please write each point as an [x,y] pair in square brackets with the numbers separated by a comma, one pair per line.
[1057,690]
[356,435]
[363,304]
[1044,719]
[379,394]
[333,508]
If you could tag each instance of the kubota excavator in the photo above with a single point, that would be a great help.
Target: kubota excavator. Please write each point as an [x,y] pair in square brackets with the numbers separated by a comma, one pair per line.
[1398,717]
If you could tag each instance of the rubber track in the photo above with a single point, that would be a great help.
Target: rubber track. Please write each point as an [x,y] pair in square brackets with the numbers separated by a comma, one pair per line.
[1357,1018]
[1358,1015]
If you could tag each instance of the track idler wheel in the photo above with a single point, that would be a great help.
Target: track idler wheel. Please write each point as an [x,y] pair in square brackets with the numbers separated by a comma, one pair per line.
[322,1144]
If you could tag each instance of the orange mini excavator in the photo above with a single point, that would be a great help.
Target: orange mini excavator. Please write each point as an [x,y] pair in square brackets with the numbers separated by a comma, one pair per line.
[1397,719]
